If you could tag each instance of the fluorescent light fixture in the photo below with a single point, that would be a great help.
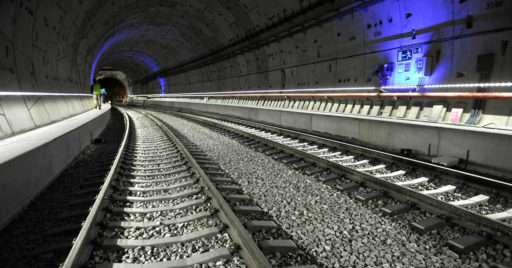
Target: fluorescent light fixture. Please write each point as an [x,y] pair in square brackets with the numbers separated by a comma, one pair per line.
[11,93]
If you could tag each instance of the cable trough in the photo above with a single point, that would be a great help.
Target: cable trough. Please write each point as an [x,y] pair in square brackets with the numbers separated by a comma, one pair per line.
[478,203]
[158,208]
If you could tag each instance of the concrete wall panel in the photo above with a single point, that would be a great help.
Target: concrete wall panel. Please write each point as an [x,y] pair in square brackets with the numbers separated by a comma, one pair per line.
[344,127]
[17,114]
[54,108]
[23,113]
[7,66]
[489,149]
[25,72]
[428,18]
[483,148]
[300,121]
[19,184]
[350,72]
[350,32]
[398,136]
[486,15]
[382,27]
[38,110]
[5,129]
[245,113]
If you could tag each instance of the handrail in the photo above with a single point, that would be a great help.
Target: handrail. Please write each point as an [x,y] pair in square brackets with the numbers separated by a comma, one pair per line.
[75,257]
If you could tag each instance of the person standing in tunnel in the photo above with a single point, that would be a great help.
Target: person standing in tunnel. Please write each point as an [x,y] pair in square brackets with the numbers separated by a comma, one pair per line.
[96,91]
[103,95]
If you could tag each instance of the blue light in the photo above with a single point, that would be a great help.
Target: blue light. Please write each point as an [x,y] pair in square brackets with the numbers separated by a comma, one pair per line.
[162,85]
[146,59]
[420,34]
[150,62]
[115,38]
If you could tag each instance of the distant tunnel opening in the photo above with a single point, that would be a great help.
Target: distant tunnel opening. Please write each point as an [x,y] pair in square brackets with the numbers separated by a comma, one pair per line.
[114,87]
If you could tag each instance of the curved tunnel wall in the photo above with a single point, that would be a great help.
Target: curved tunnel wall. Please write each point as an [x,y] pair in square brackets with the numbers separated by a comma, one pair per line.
[345,51]
[53,45]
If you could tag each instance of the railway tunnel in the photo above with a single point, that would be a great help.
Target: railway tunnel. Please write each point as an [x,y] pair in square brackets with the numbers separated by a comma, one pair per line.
[298,133]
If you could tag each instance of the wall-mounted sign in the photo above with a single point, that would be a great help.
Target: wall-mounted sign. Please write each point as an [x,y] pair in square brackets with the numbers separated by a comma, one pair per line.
[407,67]
[407,54]
[404,54]
[400,68]
[416,50]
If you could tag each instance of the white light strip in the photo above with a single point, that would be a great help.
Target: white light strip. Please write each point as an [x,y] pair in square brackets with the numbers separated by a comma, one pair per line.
[10,93]
[505,84]
[468,85]
[283,90]
[400,87]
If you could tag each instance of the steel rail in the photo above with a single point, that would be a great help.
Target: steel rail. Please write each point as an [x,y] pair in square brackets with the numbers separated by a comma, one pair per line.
[250,251]
[81,249]
[498,230]
[82,246]
[501,186]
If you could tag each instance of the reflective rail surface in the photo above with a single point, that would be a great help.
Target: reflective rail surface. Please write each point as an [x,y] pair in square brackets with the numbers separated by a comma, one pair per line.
[79,249]
[157,197]
[396,175]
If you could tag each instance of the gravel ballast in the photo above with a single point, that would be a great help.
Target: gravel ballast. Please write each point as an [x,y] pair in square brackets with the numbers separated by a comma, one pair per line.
[336,229]
[159,254]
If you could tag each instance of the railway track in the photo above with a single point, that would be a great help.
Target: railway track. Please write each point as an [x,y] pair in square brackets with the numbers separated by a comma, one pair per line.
[159,208]
[277,245]
[478,203]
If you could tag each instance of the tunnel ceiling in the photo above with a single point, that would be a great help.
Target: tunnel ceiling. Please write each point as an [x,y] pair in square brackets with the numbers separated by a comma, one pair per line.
[213,45]
[52,45]
[143,37]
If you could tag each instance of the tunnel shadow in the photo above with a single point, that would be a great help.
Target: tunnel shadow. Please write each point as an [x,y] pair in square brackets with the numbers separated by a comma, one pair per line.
[116,91]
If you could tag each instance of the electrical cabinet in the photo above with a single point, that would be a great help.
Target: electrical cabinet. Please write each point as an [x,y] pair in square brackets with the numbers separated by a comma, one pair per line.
[422,67]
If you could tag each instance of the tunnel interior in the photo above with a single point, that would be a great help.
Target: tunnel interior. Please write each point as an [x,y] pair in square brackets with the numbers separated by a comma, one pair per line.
[426,83]
[200,46]
[114,87]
